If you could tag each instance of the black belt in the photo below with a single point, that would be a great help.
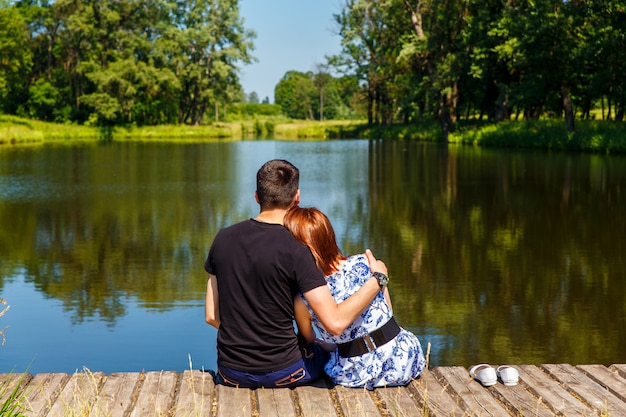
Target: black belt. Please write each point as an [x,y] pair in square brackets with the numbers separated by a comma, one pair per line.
[369,342]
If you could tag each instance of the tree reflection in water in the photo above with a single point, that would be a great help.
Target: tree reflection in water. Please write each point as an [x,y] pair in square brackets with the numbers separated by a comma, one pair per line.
[500,256]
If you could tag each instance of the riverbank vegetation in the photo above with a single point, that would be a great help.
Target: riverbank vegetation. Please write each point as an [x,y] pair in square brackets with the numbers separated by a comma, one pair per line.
[12,397]
[590,136]
[479,72]
[11,393]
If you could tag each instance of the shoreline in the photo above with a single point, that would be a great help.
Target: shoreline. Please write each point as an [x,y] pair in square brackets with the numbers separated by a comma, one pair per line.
[591,136]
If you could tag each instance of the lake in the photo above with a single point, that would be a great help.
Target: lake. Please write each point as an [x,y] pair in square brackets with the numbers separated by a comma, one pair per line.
[495,255]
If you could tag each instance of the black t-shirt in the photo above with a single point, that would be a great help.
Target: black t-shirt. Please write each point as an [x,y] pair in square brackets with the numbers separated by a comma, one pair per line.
[260,267]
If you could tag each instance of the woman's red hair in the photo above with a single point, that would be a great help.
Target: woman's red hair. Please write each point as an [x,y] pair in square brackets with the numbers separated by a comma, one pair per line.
[311,227]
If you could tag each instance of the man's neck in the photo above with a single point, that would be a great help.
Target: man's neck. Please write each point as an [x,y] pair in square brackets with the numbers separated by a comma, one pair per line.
[275,216]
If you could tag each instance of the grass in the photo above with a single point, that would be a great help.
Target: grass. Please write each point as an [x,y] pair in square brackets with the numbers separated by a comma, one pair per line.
[2,313]
[590,135]
[12,396]
[309,129]
[15,129]
[12,393]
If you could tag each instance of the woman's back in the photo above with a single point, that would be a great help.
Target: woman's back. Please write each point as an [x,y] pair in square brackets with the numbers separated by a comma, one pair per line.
[395,362]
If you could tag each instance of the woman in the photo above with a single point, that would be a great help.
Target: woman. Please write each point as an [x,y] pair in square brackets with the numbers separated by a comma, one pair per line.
[373,351]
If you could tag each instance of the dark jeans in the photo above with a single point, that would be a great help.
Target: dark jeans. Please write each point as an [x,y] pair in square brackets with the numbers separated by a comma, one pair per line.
[304,371]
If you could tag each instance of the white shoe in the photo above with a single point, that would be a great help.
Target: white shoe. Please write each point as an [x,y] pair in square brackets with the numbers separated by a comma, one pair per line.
[508,375]
[485,374]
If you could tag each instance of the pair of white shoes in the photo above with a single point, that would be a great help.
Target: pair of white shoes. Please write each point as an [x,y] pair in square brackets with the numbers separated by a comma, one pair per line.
[488,376]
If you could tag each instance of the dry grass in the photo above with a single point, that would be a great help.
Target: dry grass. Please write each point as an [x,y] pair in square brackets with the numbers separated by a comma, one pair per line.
[2,313]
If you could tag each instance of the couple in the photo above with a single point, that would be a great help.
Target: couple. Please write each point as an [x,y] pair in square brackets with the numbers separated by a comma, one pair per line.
[261,278]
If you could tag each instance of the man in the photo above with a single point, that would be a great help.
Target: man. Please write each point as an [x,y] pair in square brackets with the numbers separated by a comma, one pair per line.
[256,268]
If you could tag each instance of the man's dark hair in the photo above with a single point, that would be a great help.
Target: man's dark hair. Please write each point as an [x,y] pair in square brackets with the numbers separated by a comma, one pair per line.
[277,182]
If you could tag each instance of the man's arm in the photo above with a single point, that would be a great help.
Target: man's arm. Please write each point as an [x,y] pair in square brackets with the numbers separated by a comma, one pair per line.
[337,317]
[211,304]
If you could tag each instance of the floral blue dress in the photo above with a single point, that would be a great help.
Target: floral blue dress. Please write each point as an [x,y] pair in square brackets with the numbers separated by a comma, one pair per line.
[392,364]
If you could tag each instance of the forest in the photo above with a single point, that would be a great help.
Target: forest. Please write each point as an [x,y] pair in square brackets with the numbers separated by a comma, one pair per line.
[118,62]
[153,62]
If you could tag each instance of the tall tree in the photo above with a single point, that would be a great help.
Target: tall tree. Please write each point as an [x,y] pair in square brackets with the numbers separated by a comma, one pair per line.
[127,61]
[15,56]
[212,41]
[438,26]
[295,93]
[604,24]
[368,48]
[321,80]
[537,43]
[485,80]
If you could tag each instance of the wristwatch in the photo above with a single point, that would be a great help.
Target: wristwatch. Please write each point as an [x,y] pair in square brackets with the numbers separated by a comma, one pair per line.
[382,279]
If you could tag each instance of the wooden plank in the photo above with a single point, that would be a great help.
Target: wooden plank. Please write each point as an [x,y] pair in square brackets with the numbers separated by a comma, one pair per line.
[276,402]
[195,394]
[117,394]
[356,402]
[13,387]
[43,390]
[433,397]
[479,400]
[619,368]
[519,401]
[315,400]
[399,402]
[9,382]
[233,402]
[580,385]
[78,395]
[606,378]
[156,394]
[556,389]
[555,397]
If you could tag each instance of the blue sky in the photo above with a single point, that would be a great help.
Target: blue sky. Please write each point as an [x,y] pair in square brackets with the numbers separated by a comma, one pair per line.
[291,35]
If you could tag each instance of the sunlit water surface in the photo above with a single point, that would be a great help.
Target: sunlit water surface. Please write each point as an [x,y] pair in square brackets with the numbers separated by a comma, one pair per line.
[499,256]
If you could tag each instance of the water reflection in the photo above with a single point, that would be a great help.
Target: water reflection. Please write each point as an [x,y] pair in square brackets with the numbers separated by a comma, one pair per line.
[509,256]
[496,256]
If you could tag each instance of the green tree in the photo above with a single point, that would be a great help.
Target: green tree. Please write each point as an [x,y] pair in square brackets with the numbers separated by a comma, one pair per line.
[352,103]
[328,103]
[253,98]
[59,44]
[485,80]
[537,43]
[437,41]
[43,98]
[321,81]
[15,56]
[369,46]
[122,61]
[295,94]
[604,24]
[211,41]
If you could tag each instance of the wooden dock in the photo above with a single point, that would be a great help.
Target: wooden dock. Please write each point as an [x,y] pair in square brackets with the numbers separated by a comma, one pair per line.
[546,390]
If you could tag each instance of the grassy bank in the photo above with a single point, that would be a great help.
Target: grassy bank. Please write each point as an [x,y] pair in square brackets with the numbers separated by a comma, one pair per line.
[590,136]
[16,130]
